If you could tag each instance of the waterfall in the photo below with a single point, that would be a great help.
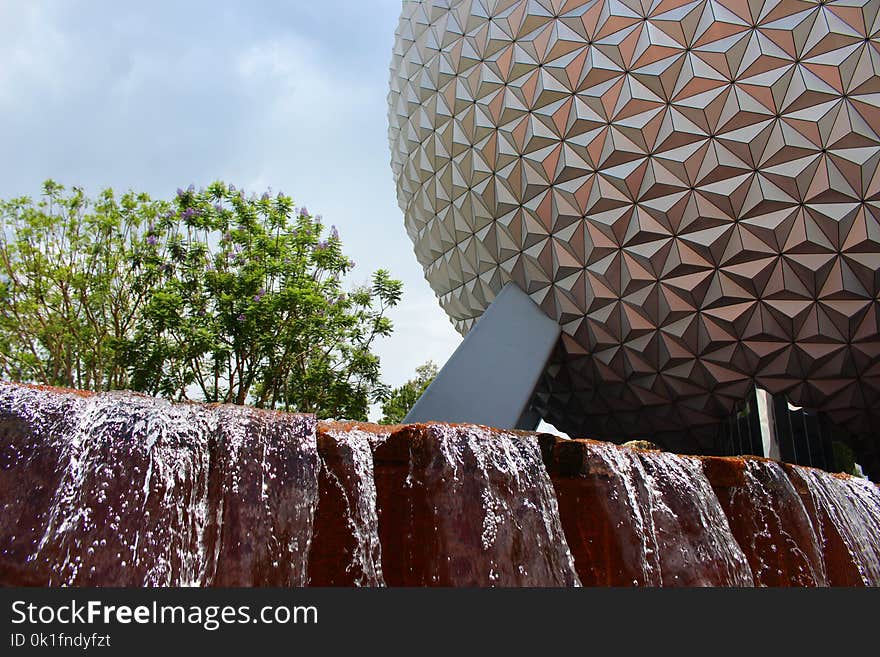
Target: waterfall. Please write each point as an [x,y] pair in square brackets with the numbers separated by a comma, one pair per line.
[846,515]
[464,505]
[346,550]
[132,502]
[135,491]
[768,520]
[653,521]
[120,489]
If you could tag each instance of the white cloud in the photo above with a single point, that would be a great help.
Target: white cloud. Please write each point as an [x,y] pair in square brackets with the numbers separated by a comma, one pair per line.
[152,96]
[321,136]
[31,50]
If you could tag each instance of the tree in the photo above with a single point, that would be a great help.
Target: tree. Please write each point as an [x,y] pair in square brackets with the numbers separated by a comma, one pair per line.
[71,287]
[251,305]
[216,296]
[401,400]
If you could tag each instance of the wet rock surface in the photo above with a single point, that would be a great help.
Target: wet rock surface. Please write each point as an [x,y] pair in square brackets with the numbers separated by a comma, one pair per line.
[768,520]
[345,549]
[641,518]
[464,505]
[267,487]
[119,489]
[31,470]
[845,512]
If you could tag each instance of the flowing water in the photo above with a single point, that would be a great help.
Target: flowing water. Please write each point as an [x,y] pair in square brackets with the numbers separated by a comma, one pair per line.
[138,491]
[654,518]
[690,531]
[127,490]
[769,521]
[132,504]
[345,549]
[480,510]
[846,516]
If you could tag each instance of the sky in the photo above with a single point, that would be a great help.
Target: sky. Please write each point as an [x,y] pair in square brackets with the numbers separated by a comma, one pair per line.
[157,95]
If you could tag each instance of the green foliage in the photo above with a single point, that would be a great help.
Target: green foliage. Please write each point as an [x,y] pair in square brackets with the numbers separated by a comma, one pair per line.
[70,286]
[402,399]
[215,295]
[844,458]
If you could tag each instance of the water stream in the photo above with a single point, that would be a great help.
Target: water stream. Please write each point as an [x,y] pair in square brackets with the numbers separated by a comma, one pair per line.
[120,489]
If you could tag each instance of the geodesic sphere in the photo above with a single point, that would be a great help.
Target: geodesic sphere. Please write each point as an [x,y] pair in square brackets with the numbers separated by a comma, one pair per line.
[690,188]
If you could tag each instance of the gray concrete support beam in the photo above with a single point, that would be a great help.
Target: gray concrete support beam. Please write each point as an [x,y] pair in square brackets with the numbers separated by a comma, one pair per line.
[492,375]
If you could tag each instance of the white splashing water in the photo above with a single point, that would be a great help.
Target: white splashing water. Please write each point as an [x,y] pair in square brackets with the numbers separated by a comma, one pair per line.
[354,484]
[664,519]
[693,537]
[267,475]
[776,529]
[133,503]
[847,510]
[130,506]
[516,537]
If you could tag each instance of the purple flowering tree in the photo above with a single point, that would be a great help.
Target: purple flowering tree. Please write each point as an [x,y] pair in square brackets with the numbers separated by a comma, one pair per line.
[251,306]
[216,295]
[73,285]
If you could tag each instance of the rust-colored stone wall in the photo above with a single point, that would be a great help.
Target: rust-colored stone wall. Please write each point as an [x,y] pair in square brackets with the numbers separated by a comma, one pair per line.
[30,475]
[464,505]
[120,489]
[844,516]
[768,520]
[641,518]
[345,549]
